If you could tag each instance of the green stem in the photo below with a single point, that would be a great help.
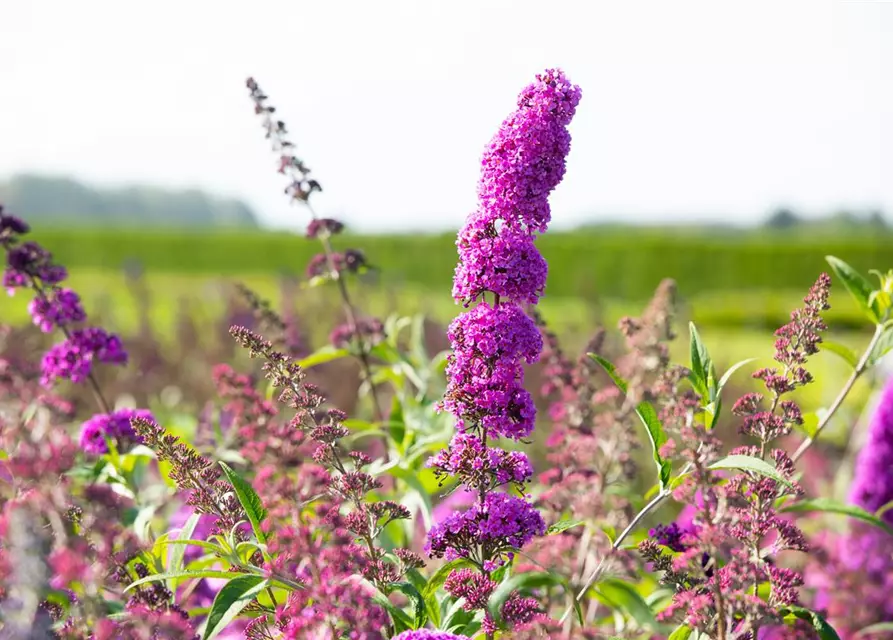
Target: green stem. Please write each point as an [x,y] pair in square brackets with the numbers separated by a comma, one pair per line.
[599,569]
[859,369]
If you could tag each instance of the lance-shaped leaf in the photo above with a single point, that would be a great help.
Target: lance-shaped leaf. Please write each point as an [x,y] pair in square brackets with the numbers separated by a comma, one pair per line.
[858,286]
[827,505]
[249,500]
[648,416]
[179,575]
[752,464]
[235,595]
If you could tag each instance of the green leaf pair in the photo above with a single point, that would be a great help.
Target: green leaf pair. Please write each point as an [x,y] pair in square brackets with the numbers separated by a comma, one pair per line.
[703,377]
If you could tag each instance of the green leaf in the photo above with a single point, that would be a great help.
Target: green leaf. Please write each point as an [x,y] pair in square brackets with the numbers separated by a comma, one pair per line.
[701,364]
[827,505]
[204,544]
[563,525]
[825,630]
[682,632]
[881,348]
[419,581]
[858,286]
[402,622]
[322,355]
[178,575]
[419,610]
[175,557]
[728,374]
[249,500]
[623,596]
[397,424]
[412,479]
[750,463]
[714,409]
[841,350]
[648,416]
[884,509]
[454,616]
[230,600]
[880,627]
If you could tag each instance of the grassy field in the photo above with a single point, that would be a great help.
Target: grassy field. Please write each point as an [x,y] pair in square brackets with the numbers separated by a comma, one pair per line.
[587,264]
[736,288]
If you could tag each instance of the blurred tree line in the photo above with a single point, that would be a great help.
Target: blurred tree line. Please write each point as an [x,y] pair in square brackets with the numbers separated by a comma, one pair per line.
[66,202]
[839,221]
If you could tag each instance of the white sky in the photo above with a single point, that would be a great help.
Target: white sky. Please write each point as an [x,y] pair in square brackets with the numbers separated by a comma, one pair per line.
[691,110]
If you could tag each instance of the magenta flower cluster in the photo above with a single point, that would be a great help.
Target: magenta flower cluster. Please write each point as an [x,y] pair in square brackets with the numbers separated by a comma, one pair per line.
[28,261]
[853,573]
[872,486]
[73,358]
[116,426]
[480,466]
[493,341]
[62,309]
[502,523]
[427,634]
[485,371]
[29,265]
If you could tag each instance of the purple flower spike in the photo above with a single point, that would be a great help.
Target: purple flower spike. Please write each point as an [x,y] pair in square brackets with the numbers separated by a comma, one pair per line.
[525,160]
[872,486]
[493,341]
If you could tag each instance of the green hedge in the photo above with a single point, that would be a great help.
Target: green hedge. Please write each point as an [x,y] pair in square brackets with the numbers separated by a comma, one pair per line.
[586,263]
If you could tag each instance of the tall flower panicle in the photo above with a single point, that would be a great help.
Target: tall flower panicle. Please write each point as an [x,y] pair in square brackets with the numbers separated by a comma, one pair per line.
[852,573]
[29,265]
[736,532]
[349,482]
[330,265]
[493,341]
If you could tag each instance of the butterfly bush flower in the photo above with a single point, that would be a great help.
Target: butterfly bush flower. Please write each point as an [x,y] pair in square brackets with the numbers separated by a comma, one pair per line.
[349,482]
[369,331]
[493,341]
[872,486]
[426,634]
[29,265]
[115,426]
[63,308]
[73,358]
[852,573]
